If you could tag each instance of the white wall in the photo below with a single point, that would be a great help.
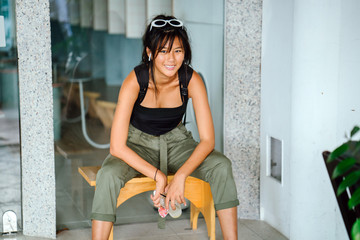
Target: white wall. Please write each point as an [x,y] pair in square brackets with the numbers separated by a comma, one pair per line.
[205,29]
[324,79]
[276,73]
[314,118]
[349,70]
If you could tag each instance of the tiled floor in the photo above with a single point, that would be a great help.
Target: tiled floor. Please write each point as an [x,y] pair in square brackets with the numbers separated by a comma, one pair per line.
[176,229]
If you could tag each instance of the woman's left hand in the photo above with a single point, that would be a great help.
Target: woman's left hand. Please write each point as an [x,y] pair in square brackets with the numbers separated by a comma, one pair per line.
[175,192]
[161,181]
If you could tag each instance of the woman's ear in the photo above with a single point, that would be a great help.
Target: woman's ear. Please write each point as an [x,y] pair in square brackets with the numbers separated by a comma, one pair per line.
[148,52]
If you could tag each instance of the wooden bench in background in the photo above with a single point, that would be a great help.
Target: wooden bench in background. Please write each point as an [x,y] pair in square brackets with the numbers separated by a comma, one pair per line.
[102,109]
[92,96]
[105,111]
[196,191]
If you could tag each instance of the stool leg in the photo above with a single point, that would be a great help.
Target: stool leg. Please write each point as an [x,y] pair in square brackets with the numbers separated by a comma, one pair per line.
[194,214]
[111,236]
[209,212]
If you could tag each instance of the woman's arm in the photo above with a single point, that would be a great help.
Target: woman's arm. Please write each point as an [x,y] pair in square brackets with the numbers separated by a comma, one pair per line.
[197,92]
[204,121]
[119,132]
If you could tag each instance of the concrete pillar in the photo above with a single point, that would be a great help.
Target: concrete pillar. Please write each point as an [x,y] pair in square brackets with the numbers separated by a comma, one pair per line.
[242,100]
[36,114]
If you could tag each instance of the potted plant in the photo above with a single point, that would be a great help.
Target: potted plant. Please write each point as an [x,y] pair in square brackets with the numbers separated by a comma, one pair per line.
[343,166]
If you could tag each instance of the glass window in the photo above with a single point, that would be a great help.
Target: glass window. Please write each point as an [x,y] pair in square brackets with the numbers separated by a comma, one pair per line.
[95,45]
[10,179]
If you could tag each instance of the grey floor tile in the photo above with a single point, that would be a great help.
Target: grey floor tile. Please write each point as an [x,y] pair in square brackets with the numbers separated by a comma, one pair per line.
[244,233]
[12,237]
[185,232]
[19,236]
[80,234]
[141,230]
[262,229]
[194,236]
[183,226]
[167,237]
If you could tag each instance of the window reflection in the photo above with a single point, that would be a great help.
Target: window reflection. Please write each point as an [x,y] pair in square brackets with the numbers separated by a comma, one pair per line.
[95,44]
[10,180]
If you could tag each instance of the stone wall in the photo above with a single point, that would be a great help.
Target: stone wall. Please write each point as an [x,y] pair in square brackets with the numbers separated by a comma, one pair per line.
[36,118]
[242,100]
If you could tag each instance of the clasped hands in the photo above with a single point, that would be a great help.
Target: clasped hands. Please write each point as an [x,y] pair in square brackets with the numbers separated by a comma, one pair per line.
[174,191]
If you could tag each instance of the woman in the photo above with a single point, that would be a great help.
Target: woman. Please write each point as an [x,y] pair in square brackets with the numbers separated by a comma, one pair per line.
[147,132]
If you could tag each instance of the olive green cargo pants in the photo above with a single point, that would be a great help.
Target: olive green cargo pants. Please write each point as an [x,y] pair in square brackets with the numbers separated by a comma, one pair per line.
[169,152]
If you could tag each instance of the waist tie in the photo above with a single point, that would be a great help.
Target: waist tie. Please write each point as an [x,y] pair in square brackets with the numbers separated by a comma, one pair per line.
[163,168]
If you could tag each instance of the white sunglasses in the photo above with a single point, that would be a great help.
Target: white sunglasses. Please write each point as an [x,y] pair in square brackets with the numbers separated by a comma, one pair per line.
[161,23]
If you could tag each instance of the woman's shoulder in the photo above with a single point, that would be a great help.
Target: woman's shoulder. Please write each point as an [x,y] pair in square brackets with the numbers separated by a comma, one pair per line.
[130,82]
[195,76]
[196,84]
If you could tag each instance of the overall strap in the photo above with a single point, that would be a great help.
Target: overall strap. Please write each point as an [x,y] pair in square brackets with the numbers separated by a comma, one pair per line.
[142,75]
[185,73]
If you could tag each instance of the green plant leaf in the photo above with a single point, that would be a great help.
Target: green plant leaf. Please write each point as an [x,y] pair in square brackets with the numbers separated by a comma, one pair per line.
[354,131]
[355,230]
[338,152]
[343,167]
[349,180]
[355,199]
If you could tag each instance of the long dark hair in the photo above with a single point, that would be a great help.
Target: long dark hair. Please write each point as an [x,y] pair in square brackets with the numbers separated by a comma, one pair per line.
[158,37]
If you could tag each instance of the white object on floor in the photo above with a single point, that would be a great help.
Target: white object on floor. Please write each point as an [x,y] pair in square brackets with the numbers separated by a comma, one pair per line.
[9,222]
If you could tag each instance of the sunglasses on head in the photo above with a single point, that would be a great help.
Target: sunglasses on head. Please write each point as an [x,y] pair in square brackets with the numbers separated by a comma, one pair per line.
[161,23]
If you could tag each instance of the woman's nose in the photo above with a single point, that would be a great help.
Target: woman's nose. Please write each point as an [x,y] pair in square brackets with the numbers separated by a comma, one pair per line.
[171,55]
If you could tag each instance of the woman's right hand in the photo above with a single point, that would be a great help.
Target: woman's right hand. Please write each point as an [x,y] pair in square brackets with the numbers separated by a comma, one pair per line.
[161,183]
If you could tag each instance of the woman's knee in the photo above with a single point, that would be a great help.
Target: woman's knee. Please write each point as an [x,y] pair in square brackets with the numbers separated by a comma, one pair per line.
[216,166]
[223,168]
[107,175]
[114,169]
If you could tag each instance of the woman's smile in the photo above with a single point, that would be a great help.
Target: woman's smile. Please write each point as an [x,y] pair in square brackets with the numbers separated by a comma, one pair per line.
[170,67]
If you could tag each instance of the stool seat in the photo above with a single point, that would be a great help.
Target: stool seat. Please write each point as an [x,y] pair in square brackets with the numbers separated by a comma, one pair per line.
[196,191]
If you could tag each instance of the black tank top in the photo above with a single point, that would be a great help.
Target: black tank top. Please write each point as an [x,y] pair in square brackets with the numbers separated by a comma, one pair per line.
[157,121]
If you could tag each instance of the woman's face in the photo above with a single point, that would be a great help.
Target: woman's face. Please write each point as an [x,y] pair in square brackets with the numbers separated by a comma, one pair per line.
[168,61]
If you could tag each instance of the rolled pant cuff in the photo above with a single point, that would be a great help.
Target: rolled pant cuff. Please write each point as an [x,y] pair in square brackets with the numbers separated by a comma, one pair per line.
[231,204]
[103,217]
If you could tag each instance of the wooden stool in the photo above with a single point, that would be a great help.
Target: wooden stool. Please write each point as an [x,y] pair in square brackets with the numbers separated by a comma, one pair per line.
[197,191]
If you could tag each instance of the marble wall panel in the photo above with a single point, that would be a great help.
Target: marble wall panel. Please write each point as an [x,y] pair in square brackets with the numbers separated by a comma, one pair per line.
[242,100]
[36,114]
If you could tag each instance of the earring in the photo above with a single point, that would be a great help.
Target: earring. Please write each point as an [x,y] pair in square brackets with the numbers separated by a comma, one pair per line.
[149,57]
